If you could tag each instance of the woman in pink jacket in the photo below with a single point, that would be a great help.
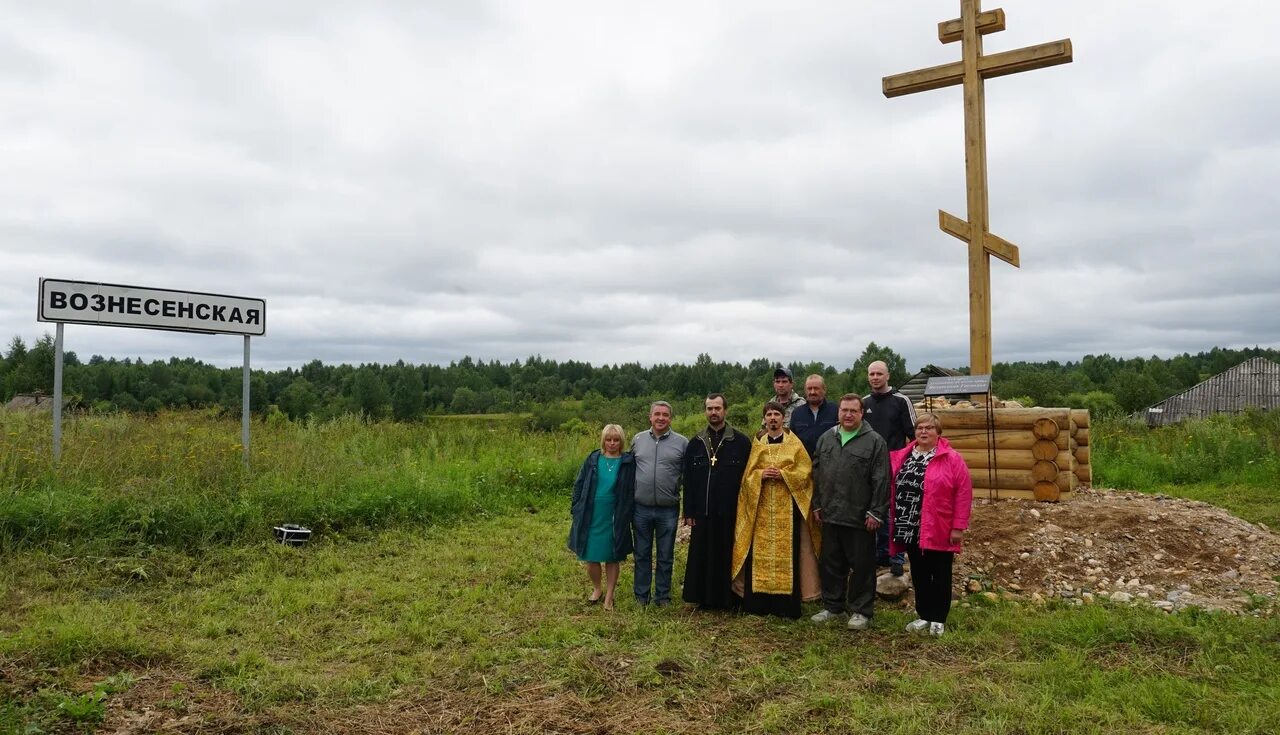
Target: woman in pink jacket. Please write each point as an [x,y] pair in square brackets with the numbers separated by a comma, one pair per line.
[928,513]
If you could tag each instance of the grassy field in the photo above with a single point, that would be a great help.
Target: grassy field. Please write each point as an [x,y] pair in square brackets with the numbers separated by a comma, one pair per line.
[177,480]
[438,597]
[1232,462]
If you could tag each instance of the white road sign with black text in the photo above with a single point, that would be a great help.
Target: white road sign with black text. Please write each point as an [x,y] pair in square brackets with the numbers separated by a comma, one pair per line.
[105,304]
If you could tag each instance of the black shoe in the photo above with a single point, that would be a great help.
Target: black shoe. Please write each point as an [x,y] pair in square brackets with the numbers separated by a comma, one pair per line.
[896,569]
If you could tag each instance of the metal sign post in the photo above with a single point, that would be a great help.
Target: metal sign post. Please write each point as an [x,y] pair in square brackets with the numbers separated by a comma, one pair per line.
[113,305]
[57,395]
[244,405]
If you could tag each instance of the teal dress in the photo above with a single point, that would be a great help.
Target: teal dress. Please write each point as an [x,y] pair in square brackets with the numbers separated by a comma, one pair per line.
[600,533]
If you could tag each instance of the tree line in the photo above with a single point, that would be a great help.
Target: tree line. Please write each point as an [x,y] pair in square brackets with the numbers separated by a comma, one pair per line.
[407,392]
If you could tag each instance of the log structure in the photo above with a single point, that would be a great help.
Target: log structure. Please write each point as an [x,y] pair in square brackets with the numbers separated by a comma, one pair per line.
[1080,446]
[1040,453]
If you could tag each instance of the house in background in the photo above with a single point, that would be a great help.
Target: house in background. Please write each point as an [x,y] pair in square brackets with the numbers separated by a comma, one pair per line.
[1254,383]
[31,402]
[39,401]
[914,388]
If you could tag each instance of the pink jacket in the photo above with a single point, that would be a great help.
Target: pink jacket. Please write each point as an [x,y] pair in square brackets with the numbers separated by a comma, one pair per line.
[948,495]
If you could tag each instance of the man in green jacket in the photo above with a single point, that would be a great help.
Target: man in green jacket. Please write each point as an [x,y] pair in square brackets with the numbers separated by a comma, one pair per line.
[851,500]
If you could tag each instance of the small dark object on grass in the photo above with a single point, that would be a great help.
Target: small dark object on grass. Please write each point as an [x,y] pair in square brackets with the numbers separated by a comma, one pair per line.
[292,534]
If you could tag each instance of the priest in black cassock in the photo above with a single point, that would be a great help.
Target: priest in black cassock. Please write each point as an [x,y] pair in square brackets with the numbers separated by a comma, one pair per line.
[713,466]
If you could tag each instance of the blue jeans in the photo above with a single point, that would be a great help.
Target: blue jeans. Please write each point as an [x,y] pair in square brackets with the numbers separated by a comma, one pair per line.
[650,521]
[883,557]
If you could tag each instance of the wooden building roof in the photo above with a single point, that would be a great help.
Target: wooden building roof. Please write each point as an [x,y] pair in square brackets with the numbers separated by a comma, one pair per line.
[1254,383]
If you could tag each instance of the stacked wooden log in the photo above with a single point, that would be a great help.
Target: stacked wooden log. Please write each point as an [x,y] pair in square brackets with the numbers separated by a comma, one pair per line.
[1036,452]
[1080,445]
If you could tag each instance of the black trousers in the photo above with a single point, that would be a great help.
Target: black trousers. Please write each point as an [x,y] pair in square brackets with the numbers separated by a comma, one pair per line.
[845,548]
[931,578]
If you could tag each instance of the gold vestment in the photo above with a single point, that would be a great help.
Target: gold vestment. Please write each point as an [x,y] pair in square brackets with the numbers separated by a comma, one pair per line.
[764,519]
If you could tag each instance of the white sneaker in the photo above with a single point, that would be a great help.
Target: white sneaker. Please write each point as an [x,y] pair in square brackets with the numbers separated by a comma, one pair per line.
[936,630]
[859,622]
[919,627]
[824,616]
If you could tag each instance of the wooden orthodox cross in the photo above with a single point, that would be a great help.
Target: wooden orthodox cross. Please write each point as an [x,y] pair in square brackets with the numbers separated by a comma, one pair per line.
[971,71]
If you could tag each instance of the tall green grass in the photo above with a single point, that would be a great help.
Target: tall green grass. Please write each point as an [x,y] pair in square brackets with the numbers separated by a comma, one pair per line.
[1233,461]
[177,479]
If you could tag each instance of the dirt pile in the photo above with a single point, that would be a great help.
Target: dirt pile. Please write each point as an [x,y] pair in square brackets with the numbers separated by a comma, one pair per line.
[1124,547]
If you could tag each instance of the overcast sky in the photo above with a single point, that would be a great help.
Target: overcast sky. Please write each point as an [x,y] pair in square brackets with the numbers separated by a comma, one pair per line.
[615,182]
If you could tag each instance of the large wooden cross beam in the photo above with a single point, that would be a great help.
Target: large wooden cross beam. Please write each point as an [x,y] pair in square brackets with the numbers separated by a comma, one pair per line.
[971,71]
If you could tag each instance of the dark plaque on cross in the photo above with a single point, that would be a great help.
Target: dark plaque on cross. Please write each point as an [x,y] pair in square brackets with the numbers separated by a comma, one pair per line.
[971,71]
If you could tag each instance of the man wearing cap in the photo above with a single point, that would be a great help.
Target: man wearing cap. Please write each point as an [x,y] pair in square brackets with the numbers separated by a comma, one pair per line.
[785,395]
[893,417]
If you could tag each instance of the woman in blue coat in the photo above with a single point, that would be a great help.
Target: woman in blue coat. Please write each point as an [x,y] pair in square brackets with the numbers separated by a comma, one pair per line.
[603,501]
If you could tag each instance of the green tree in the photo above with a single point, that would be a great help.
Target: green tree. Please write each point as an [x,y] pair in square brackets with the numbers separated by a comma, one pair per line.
[126,402]
[1099,403]
[408,396]
[549,389]
[1184,371]
[17,350]
[30,370]
[299,400]
[465,400]
[199,395]
[1045,387]
[1134,390]
[233,393]
[369,392]
[898,373]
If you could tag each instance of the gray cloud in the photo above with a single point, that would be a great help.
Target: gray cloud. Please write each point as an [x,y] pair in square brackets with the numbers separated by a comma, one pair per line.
[501,179]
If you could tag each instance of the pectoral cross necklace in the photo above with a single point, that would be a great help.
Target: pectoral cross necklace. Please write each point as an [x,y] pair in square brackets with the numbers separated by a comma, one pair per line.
[715,451]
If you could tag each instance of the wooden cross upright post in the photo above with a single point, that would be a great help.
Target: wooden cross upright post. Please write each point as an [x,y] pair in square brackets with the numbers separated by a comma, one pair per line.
[971,71]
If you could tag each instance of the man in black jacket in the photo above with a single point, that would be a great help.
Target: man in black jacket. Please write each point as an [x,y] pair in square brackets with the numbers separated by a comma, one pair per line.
[893,417]
[713,465]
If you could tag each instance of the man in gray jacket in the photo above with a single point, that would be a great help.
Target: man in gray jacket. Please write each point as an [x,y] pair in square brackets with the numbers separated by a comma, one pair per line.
[659,456]
[851,499]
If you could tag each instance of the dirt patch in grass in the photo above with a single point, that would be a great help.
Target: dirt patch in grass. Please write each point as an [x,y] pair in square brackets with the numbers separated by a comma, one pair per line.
[535,709]
[1130,547]
[168,700]
[163,700]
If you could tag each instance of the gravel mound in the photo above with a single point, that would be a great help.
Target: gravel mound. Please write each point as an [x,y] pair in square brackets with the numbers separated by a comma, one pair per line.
[1124,547]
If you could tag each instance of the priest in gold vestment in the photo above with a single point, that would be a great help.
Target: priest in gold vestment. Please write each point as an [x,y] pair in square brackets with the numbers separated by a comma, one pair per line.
[776,538]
